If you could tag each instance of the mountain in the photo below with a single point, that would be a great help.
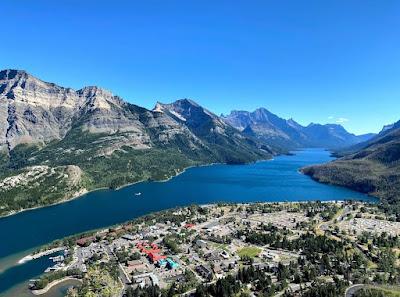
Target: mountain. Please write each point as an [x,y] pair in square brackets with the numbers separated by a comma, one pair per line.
[373,168]
[209,127]
[279,132]
[267,127]
[331,136]
[56,142]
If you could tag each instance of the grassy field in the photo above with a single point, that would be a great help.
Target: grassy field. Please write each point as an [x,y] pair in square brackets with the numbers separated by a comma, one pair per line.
[249,251]
[380,291]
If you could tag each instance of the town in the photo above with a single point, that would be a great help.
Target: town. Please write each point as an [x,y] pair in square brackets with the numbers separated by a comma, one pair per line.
[261,249]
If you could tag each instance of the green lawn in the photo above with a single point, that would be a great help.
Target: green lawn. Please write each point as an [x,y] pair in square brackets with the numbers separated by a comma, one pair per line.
[379,291]
[249,251]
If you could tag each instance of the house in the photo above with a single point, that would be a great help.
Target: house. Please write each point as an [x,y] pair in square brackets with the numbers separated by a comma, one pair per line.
[218,271]
[225,255]
[204,271]
[228,265]
[213,256]
[201,243]
[260,266]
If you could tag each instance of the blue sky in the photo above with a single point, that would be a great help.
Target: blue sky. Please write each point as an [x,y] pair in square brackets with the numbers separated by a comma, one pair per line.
[315,61]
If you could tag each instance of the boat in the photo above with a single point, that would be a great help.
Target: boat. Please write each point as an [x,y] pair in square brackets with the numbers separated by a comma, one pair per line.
[59,258]
[138,194]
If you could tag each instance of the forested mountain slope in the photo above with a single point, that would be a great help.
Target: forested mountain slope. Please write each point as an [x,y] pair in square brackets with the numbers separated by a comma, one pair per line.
[373,169]
[56,143]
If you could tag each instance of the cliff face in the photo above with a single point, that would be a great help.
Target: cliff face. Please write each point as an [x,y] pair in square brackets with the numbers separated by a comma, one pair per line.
[33,111]
[45,130]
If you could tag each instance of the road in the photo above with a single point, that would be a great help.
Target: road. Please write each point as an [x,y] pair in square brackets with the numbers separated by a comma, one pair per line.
[350,291]
[122,276]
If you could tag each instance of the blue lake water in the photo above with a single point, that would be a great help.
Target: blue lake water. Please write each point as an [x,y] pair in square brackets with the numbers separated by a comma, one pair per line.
[273,180]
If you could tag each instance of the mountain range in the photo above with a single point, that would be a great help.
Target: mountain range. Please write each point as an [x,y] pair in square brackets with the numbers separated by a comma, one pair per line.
[279,132]
[57,143]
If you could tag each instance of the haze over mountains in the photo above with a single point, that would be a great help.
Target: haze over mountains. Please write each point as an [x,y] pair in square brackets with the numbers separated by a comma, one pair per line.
[56,142]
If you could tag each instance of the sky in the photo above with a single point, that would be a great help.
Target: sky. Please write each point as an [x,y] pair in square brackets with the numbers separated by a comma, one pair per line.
[314,61]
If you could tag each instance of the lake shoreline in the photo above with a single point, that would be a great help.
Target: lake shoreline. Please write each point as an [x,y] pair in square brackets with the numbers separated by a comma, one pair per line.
[265,182]
[37,255]
[84,191]
[53,284]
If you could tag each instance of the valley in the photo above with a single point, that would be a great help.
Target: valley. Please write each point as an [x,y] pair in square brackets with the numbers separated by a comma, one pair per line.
[98,133]
[89,139]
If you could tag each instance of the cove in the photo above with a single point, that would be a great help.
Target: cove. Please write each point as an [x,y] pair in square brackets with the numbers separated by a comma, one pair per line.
[267,181]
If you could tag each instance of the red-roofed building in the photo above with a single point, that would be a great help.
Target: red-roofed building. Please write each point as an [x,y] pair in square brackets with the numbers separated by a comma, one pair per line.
[85,241]
[155,257]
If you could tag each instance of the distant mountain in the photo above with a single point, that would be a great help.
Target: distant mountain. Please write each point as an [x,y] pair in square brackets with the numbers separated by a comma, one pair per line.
[368,141]
[267,127]
[373,168]
[56,142]
[331,136]
[279,132]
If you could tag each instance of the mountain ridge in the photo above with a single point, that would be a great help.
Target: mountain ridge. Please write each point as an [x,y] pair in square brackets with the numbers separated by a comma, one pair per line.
[264,125]
[109,141]
[373,167]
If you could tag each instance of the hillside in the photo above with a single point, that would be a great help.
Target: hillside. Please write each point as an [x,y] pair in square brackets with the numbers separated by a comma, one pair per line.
[289,134]
[373,169]
[108,141]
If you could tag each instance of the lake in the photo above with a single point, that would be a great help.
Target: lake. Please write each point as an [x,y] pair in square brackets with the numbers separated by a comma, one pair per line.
[273,180]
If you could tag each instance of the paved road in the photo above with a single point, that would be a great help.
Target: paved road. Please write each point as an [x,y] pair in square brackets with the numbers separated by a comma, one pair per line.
[353,289]
[122,276]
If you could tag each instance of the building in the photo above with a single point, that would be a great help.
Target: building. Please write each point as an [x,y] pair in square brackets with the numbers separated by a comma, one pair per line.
[135,266]
[204,271]
[213,256]
[172,264]
[218,271]
[201,243]
[128,237]
[155,257]
[85,241]
[162,263]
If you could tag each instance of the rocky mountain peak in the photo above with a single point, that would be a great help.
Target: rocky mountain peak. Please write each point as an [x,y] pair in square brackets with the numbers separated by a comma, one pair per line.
[92,91]
[186,102]
[158,107]
[390,127]
[13,74]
